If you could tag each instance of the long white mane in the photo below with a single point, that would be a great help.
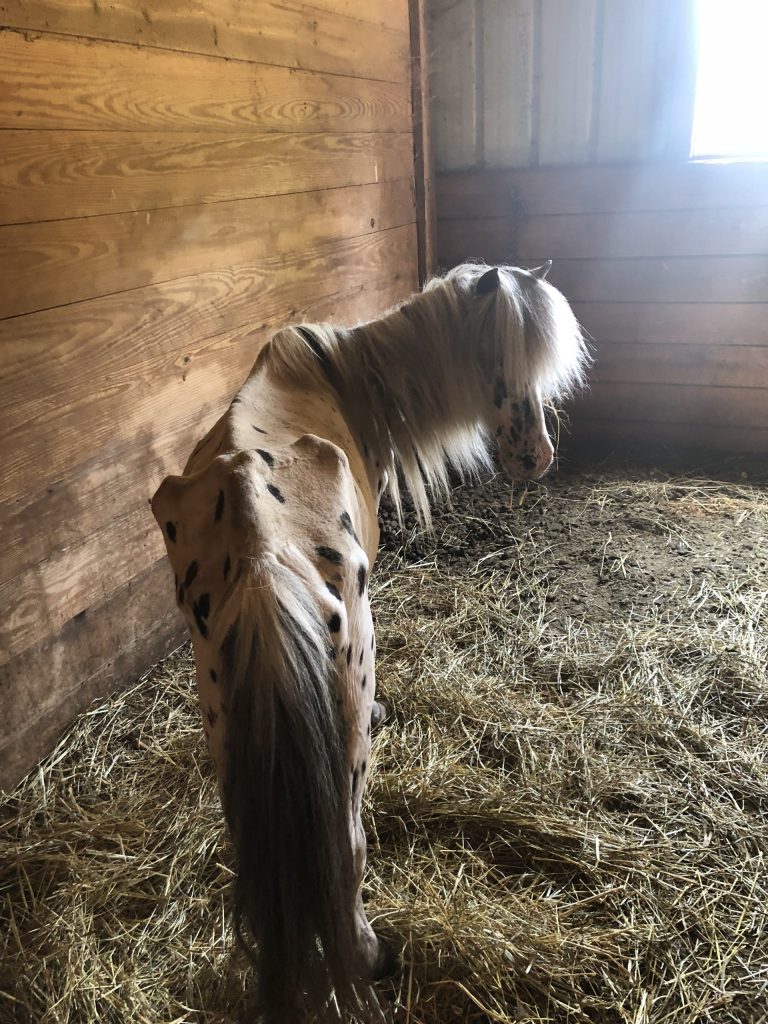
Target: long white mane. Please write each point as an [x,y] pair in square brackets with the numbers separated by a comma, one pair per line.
[415,385]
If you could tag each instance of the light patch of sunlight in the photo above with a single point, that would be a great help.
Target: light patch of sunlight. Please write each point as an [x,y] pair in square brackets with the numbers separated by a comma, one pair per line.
[731,112]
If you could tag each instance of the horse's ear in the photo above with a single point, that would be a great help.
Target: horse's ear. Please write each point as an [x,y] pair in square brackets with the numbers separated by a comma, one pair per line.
[542,271]
[489,282]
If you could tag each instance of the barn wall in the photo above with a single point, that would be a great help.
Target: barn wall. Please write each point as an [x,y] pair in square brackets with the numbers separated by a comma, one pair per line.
[524,83]
[562,131]
[176,181]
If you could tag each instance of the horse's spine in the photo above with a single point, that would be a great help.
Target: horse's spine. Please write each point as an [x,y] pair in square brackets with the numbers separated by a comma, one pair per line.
[287,799]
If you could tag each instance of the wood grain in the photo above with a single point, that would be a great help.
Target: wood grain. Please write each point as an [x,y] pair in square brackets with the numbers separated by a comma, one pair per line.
[648,438]
[737,366]
[103,370]
[104,648]
[679,323]
[45,595]
[493,239]
[423,162]
[392,14]
[606,188]
[615,401]
[703,279]
[56,83]
[54,515]
[732,231]
[65,261]
[266,31]
[56,175]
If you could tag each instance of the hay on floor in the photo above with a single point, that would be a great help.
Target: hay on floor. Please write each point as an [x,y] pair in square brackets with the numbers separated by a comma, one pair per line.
[567,816]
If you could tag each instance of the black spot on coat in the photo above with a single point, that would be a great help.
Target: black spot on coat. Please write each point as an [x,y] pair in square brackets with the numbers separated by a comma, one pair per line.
[333,590]
[334,623]
[219,507]
[227,566]
[266,456]
[214,676]
[346,523]
[200,610]
[189,579]
[330,554]
[170,529]
[275,492]
[361,580]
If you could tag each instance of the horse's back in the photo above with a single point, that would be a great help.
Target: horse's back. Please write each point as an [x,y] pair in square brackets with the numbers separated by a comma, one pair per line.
[260,483]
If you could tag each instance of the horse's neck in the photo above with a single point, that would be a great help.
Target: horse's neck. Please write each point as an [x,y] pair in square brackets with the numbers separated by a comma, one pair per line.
[415,365]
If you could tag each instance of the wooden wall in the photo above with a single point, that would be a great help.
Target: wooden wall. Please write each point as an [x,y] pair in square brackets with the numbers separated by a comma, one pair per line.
[519,83]
[572,121]
[176,181]
[665,265]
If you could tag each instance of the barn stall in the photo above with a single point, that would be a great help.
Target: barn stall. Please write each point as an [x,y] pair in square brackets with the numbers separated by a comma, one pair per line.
[566,816]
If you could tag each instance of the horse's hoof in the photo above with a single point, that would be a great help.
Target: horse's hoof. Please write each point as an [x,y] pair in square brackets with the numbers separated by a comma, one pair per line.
[387,962]
[380,712]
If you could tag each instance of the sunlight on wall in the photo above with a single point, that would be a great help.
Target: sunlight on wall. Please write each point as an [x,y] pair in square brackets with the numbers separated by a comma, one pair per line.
[731,113]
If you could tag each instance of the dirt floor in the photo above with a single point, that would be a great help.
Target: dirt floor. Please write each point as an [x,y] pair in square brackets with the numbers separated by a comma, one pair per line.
[568,812]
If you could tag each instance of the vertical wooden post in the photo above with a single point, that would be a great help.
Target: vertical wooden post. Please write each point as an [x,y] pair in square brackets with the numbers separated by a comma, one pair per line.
[422,148]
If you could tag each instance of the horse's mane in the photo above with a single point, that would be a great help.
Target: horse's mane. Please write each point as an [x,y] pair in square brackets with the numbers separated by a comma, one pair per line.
[414,383]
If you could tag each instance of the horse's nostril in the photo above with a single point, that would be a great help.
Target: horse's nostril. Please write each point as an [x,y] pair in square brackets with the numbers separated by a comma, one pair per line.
[528,461]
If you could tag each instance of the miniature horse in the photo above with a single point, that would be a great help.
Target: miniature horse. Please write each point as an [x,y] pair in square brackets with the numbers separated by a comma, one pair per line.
[271,532]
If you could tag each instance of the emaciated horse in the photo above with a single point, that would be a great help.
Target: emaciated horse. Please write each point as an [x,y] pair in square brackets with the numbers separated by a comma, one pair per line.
[271,532]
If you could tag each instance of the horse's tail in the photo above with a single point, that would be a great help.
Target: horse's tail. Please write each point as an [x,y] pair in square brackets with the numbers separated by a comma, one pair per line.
[287,799]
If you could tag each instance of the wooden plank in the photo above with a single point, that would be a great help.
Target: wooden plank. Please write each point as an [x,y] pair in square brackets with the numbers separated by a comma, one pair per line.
[43,596]
[707,442]
[50,175]
[39,603]
[58,262]
[107,646]
[423,163]
[628,105]
[115,365]
[676,323]
[507,82]
[566,80]
[710,365]
[392,14]
[453,53]
[57,83]
[604,188]
[685,279]
[615,401]
[55,514]
[56,517]
[265,31]
[722,232]
[490,239]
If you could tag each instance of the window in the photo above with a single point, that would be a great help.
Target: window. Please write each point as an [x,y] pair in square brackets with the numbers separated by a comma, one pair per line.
[731,109]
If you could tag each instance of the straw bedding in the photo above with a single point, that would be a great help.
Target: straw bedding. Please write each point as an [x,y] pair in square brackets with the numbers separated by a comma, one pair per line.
[568,810]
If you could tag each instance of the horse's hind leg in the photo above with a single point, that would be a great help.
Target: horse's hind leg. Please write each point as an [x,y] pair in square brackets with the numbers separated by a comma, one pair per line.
[378,959]
[380,712]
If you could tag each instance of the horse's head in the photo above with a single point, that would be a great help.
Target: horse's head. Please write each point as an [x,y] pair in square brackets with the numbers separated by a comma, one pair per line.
[538,354]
